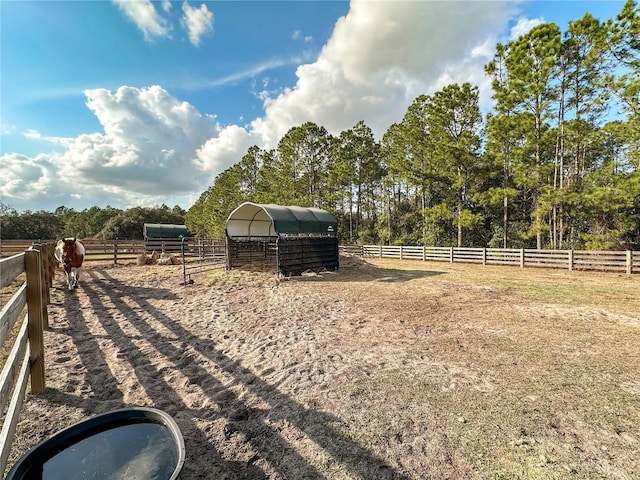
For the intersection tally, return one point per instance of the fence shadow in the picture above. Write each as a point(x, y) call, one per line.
point(354, 269)
point(100, 391)
point(129, 320)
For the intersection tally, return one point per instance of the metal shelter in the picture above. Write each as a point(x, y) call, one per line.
point(291, 238)
point(164, 230)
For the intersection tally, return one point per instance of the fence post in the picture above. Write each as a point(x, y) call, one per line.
point(450, 254)
point(484, 256)
point(522, 258)
point(629, 261)
point(115, 251)
point(44, 289)
point(46, 256)
point(229, 253)
point(400, 252)
point(424, 253)
point(51, 266)
point(380, 251)
point(571, 260)
point(32, 261)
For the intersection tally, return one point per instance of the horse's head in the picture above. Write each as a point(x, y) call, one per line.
point(68, 250)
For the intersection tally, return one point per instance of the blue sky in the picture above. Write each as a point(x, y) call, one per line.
point(142, 103)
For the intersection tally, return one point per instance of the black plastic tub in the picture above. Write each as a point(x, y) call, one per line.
point(133, 443)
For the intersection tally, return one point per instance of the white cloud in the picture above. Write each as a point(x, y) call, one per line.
point(7, 129)
point(523, 26)
point(32, 134)
point(197, 21)
point(145, 16)
point(226, 149)
point(380, 57)
point(297, 35)
point(24, 177)
point(233, 78)
point(148, 154)
point(35, 135)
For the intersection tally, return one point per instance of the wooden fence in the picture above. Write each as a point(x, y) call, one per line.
point(611, 261)
point(30, 273)
point(115, 251)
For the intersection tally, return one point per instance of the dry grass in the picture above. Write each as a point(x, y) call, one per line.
point(385, 369)
point(535, 372)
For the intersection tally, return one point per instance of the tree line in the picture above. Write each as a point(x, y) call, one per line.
point(554, 165)
point(100, 223)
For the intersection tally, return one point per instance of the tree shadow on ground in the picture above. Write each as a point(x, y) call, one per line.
point(362, 271)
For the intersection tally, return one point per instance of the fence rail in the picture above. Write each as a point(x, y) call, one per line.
point(33, 269)
point(627, 261)
point(116, 251)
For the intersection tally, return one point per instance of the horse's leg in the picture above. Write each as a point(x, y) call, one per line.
point(77, 277)
point(69, 281)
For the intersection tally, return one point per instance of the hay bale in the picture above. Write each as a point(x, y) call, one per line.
point(153, 259)
point(168, 259)
point(142, 259)
point(164, 261)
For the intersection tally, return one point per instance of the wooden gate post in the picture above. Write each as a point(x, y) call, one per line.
point(33, 268)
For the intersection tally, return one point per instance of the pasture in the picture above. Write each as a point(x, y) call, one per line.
point(386, 369)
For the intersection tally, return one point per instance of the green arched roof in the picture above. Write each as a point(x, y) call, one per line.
point(270, 220)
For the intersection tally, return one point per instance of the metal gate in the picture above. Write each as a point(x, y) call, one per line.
point(201, 255)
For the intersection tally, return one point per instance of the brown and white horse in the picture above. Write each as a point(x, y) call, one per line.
point(70, 253)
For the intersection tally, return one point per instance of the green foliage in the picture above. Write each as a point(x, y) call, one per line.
point(207, 217)
point(29, 225)
point(130, 224)
point(88, 223)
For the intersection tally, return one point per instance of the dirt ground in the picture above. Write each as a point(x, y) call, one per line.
point(376, 371)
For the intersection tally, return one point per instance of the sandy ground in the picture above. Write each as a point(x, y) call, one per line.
point(305, 378)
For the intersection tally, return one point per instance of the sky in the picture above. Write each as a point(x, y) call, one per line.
point(138, 103)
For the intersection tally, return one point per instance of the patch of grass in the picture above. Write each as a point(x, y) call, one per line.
point(616, 292)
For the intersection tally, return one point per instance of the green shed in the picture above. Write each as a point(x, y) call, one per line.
point(153, 231)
